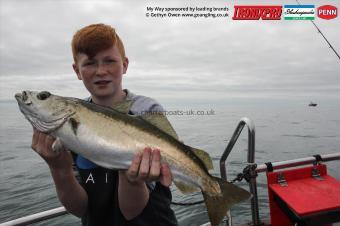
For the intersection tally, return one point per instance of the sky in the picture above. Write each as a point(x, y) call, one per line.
point(189, 60)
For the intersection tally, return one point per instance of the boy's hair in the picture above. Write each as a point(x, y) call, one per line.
point(95, 38)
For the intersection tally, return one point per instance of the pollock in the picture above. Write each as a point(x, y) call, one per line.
point(110, 137)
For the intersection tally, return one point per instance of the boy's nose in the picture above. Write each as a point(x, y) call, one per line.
point(101, 70)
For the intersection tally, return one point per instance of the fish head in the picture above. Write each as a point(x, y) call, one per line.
point(45, 111)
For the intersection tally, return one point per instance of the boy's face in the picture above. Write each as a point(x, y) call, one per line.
point(102, 74)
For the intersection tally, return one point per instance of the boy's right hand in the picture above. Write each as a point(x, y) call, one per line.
point(42, 144)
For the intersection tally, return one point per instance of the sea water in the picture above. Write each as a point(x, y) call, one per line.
point(283, 132)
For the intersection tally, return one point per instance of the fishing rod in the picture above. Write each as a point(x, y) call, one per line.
point(324, 37)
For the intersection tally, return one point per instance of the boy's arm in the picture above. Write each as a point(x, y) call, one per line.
point(70, 193)
point(133, 194)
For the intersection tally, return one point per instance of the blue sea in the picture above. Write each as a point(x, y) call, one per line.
point(283, 132)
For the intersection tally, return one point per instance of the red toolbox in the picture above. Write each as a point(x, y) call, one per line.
point(303, 196)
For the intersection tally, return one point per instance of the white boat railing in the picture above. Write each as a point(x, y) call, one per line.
point(37, 217)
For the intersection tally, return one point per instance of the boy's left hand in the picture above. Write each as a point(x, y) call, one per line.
point(147, 167)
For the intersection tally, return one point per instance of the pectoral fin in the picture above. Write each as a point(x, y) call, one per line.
point(57, 146)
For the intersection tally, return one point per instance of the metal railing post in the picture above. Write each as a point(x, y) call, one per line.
point(250, 159)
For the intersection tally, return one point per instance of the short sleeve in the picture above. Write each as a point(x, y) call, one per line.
point(143, 105)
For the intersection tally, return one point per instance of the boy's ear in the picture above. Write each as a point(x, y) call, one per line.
point(76, 70)
point(125, 65)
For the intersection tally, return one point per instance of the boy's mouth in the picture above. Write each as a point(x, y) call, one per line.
point(102, 82)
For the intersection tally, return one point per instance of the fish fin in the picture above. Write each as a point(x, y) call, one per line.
point(185, 188)
point(74, 125)
point(205, 157)
point(57, 146)
point(123, 106)
point(159, 120)
point(218, 205)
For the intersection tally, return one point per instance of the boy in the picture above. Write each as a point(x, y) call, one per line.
point(137, 196)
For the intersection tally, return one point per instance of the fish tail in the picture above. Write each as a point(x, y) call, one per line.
point(218, 204)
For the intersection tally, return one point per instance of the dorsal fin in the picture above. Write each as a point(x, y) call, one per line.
point(159, 120)
point(204, 156)
point(123, 106)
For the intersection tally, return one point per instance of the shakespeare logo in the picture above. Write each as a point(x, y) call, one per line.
point(299, 12)
point(327, 12)
point(257, 12)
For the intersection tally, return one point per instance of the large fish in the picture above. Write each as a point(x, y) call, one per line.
point(110, 138)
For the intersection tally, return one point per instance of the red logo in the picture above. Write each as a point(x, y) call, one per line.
point(257, 12)
point(327, 12)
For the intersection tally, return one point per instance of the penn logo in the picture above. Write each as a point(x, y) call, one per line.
point(257, 12)
point(327, 12)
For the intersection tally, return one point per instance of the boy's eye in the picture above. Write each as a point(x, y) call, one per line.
point(88, 63)
point(110, 61)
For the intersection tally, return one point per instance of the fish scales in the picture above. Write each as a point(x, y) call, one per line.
point(147, 128)
point(137, 138)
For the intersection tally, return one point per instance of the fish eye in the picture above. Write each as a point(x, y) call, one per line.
point(43, 95)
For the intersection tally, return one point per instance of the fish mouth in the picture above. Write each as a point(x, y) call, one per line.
point(25, 101)
point(18, 96)
point(22, 98)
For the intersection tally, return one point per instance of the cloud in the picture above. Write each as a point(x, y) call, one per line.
point(205, 58)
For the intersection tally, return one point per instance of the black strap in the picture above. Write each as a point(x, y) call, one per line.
point(269, 167)
point(318, 158)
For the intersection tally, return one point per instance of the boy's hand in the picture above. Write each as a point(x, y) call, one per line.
point(42, 144)
point(147, 167)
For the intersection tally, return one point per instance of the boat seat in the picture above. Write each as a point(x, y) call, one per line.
point(305, 196)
